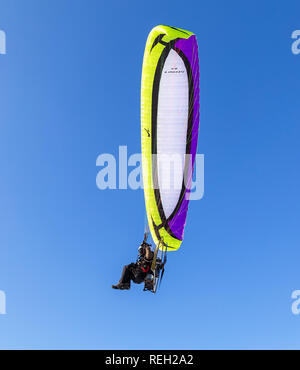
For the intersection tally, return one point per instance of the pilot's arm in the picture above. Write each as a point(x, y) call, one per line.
point(149, 253)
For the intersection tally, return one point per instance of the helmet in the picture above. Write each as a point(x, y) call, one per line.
point(141, 249)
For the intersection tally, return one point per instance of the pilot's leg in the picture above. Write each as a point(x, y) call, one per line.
point(126, 277)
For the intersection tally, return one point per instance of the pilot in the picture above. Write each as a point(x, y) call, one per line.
point(137, 271)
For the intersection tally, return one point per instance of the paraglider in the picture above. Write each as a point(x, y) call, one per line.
point(138, 271)
point(169, 135)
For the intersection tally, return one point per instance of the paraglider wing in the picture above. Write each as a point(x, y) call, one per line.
point(169, 130)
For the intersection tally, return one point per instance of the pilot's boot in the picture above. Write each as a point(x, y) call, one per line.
point(121, 286)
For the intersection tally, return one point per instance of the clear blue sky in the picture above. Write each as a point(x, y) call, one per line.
point(69, 91)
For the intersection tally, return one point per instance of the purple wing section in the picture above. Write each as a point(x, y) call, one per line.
point(189, 48)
